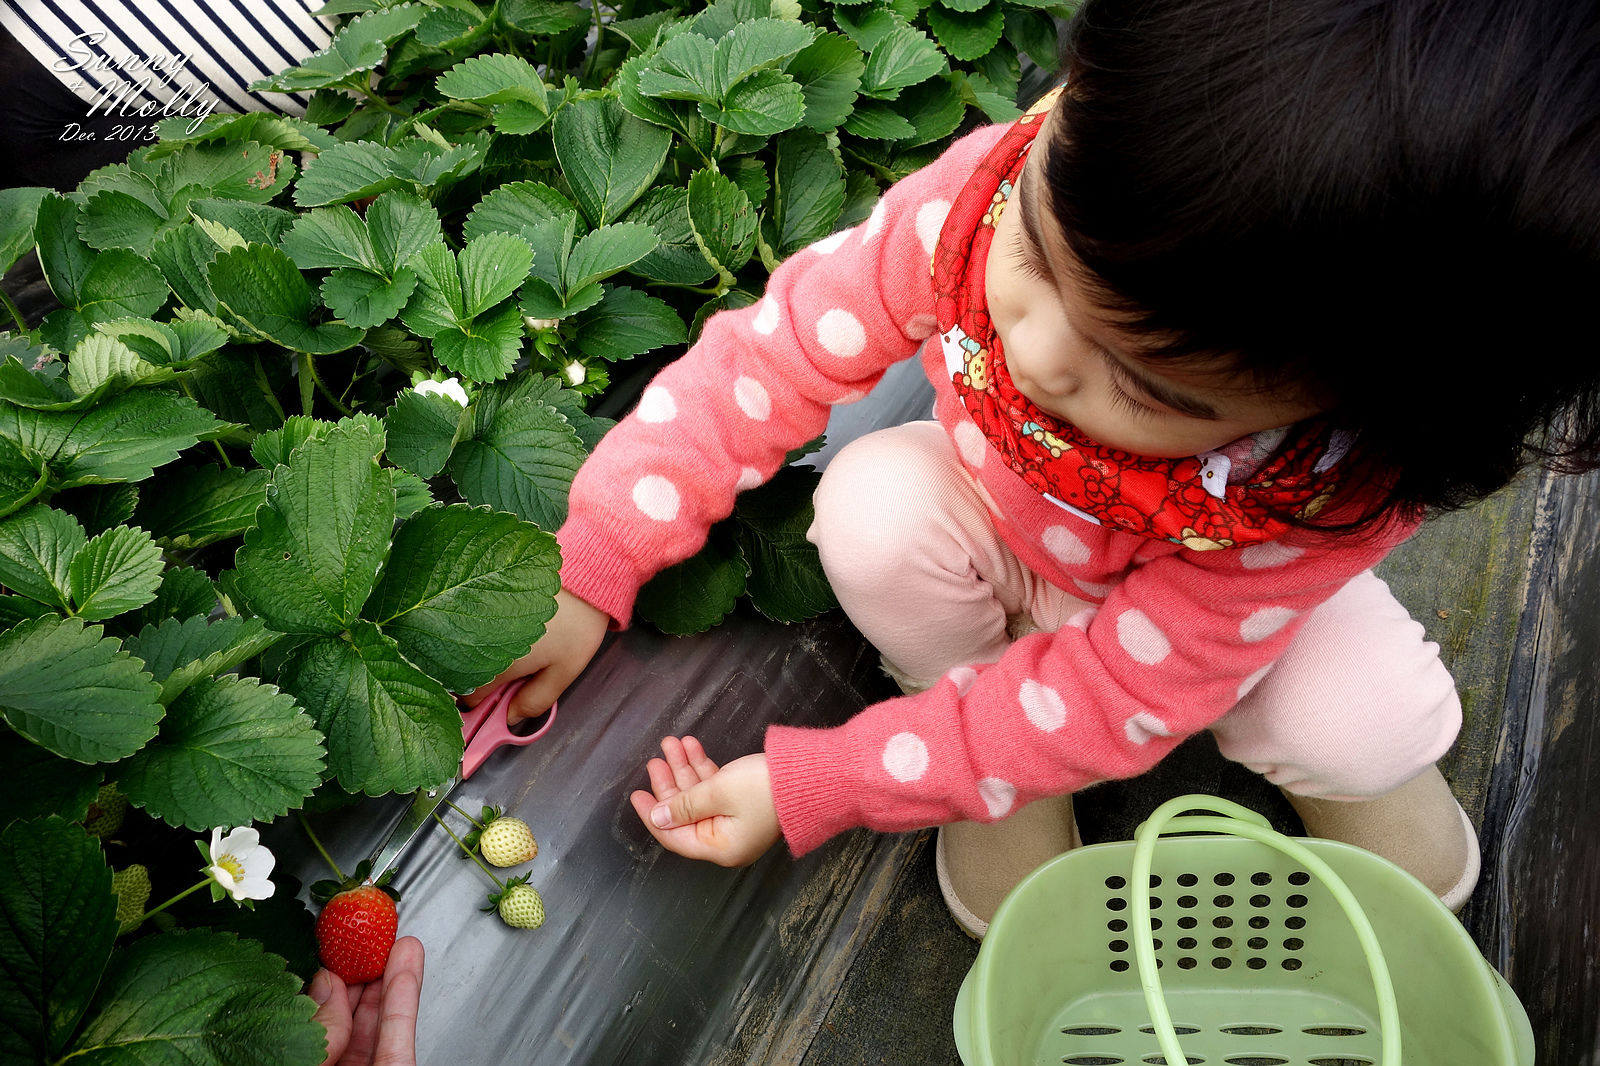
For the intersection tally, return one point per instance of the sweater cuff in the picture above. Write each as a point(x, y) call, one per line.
point(594, 571)
point(815, 788)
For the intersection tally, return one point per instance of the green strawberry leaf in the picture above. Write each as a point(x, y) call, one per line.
point(205, 505)
point(256, 223)
point(22, 476)
point(262, 294)
point(609, 157)
point(274, 447)
point(388, 726)
point(350, 170)
point(877, 120)
point(485, 348)
point(765, 103)
point(685, 68)
point(676, 259)
point(421, 430)
point(183, 256)
point(626, 323)
point(40, 783)
point(903, 56)
point(787, 583)
point(179, 652)
point(467, 590)
point(104, 362)
point(330, 237)
point(532, 388)
point(112, 218)
point(497, 78)
point(491, 267)
point(696, 594)
point(606, 250)
point(123, 438)
point(411, 494)
point(401, 224)
point(183, 593)
point(724, 222)
point(75, 692)
point(757, 45)
point(19, 207)
point(361, 45)
point(36, 550)
point(58, 921)
point(968, 33)
point(114, 572)
point(101, 507)
point(517, 206)
point(435, 303)
point(829, 73)
point(165, 343)
point(322, 534)
point(197, 996)
point(518, 457)
point(231, 751)
point(14, 609)
point(808, 192)
point(364, 299)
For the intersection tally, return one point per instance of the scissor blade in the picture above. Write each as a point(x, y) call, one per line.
point(412, 824)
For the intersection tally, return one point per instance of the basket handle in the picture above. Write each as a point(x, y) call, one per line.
point(1242, 822)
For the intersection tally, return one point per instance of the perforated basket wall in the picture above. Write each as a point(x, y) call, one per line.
point(1259, 965)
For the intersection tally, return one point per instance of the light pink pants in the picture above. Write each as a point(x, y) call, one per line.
point(1358, 705)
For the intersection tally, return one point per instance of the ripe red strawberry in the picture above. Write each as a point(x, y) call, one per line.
point(355, 931)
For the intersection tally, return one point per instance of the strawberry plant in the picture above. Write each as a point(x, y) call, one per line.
point(279, 470)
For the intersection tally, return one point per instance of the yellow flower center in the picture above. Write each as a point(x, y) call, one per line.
point(234, 867)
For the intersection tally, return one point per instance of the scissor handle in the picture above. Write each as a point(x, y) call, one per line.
point(484, 727)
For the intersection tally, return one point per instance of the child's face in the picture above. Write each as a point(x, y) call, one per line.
point(1065, 356)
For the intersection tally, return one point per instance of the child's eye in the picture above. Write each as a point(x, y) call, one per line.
point(1026, 262)
point(1120, 397)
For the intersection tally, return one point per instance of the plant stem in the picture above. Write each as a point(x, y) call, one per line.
point(337, 402)
point(320, 849)
point(501, 885)
point(464, 814)
point(308, 383)
point(186, 892)
point(16, 315)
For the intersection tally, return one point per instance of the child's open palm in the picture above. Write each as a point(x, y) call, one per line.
point(723, 815)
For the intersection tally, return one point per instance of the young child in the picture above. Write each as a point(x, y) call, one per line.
point(1212, 328)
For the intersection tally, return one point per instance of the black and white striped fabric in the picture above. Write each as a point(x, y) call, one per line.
point(184, 54)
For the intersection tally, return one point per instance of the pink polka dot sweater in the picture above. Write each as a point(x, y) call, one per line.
point(1175, 636)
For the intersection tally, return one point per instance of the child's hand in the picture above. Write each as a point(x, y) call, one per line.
point(724, 816)
point(570, 640)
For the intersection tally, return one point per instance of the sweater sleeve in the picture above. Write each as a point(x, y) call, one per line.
point(759, 382)
point(1172, 649)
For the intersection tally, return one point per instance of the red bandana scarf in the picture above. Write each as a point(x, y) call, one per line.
point(1187, 500)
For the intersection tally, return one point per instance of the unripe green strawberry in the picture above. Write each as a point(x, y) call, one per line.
point(132, 886)
point(355, 931)
point(106, 812)
point(521, 906)
point(507, 842)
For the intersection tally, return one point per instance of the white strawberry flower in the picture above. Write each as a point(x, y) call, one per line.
point(240, 864)
point(575, 372)
point(448, 387)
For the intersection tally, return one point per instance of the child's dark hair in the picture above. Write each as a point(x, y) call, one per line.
point(1394, 204)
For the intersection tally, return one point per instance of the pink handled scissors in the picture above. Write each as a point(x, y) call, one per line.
point(484, 727)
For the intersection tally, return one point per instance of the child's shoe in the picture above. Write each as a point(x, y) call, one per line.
point(1419, 827)
point(979, 863)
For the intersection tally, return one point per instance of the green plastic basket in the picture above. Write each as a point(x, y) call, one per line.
point(1241, 947)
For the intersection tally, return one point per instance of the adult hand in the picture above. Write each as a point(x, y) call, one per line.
point(570, 640)
point(726, 816)
point(373, 1024)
